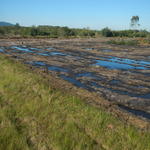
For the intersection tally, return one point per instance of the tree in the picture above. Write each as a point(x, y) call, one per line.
point(135, 21)
point(34, 31)
point(2, 31)
point(107, 32)
point(17, 25)
point(66, 32)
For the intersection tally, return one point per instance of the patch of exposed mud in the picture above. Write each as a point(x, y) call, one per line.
point(120, 76)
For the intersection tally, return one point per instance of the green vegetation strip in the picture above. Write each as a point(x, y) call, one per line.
point(35, 116)
point(65, 32)
point(124, 42)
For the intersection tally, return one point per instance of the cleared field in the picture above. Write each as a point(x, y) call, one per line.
point(118, 73)
point(33, 115)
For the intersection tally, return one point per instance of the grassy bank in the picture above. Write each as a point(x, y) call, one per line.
point(35, 116)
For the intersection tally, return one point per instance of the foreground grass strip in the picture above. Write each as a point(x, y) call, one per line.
point(34, 116)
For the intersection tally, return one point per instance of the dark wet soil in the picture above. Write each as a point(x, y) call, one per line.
point(119, 74)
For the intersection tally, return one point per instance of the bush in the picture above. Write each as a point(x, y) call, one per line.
point(107, 32)
point(124, 42)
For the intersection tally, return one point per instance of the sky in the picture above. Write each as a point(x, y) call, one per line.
point(95, 14)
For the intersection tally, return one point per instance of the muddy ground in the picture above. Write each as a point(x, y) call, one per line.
point(119, 74)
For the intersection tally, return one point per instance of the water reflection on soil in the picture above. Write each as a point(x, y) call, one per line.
point(57, 53)
point(52, 54)
point(1, 50)
point(129, 61)
point(21, 49)
point(38, 51)
point(49, 67)
point(35, 49)
point(85, 74)
point(38, 63)
point(122, 63)
point(136, 112)
point(115, 65)
point(57, 69)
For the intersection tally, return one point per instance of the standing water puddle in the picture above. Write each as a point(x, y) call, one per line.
point(122, 64)
point(38, 63)
point(57, 53)
point(22, 49)
point(35, 49)
point(49, 67)
point(1, 51)
point(129, 61)
point(57, 69)
point(52, 54)
point(43, 54)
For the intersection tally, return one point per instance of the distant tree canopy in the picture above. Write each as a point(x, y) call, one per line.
point(107, 32)
point(65, 32)
point(135, 21)
point(46, 31)
point(17, 25)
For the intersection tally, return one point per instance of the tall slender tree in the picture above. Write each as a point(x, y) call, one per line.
point(135, 22)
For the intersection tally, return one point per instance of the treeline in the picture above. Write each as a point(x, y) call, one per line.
point(46, 31)
point(124, 33)
point(58, 32)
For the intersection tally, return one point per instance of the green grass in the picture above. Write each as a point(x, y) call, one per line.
point(35, 116)
point(124, 42)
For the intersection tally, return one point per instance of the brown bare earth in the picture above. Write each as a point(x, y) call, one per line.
point(116, 78)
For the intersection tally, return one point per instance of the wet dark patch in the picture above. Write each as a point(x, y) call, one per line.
point(52, 54)
point(24, 49)
point(122, 64)
point(146, 96)
point(129, 61)
point(136, 112)
point(57, 69)
point(131, 94)
point(49, 67)
point(120, 92)
point(84, 74)
point(107, 50)
point(73, 81)
point(1, 51)
point(114, 82)
point(42, 54)
point(38, 63)
point(57, 53)
point(115, 65)
point(88, 49)
point(50, 48)
point(35, 49)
